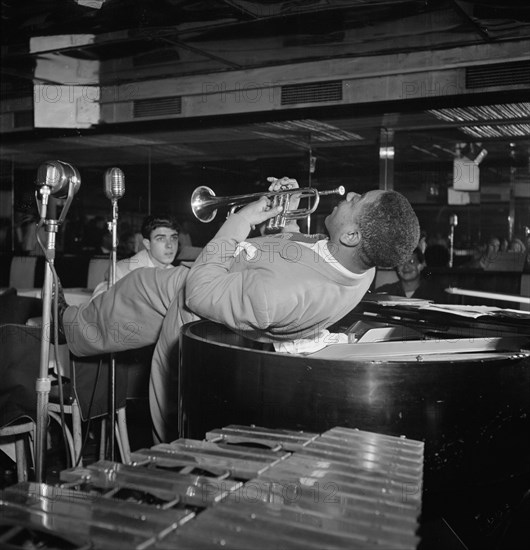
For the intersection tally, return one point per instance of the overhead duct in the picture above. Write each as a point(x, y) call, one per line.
point(348, 81)
point(498, 74)
point(314, 92)
point(362, 80)
point(162, 106)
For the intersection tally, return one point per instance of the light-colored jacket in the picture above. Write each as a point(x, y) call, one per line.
point(272, 288)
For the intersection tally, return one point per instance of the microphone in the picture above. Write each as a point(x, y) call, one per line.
point(56, 176)
point(114, 184)
point(114, 190)
point(453, 220)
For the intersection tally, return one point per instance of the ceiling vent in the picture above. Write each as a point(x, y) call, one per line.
point(163, 106)
point(498, 74)
point(318, 92)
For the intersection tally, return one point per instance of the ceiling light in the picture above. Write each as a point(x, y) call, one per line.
point(95, 4)
point(386, 152)
point(508, 113)
point(319, 131)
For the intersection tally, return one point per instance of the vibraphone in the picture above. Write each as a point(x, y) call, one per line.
point(242, 487)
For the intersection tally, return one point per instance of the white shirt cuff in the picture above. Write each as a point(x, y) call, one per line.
point(311, 345)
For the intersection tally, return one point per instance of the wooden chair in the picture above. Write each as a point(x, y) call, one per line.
point(20, 432)
point(19, 369)
point(85, 398)
point(74, 436)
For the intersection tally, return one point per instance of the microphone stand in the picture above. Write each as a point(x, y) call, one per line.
point(113, 228)
point(453, 222)
point(43, 383)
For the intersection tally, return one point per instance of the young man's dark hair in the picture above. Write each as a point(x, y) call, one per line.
point(153, 222)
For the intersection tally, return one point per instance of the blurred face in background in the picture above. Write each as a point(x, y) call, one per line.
point(129, 245)
point(411, 269)
point(494, 246)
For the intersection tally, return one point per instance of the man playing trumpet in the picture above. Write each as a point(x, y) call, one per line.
point(276, 288)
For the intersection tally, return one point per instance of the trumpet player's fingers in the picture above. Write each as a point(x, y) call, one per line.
point(280, 184)
point(259, 211)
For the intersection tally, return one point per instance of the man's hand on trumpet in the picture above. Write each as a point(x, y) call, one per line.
point(284, 184)
point(259, 211)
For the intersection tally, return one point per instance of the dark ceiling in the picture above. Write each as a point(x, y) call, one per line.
point(185, 38)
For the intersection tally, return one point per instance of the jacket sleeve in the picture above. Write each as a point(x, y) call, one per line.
point(236, 299)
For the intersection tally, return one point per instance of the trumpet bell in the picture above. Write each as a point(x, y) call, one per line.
point(201, 204)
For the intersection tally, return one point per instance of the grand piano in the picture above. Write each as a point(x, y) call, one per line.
point(455, 377)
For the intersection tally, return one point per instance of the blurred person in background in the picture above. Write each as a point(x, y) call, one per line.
point(412, 284)
point(126, 245)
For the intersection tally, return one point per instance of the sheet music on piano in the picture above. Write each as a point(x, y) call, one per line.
point(383, 317)
point(471, 311)
point(477, 311)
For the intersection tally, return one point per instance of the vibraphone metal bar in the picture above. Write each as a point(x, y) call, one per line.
point(342, 489)
point(238, 462)
point(170, 487)
point(80, 519)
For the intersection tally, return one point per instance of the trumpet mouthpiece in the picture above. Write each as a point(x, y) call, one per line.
point(338, 191)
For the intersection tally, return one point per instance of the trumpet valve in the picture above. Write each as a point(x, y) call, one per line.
point(278, 222)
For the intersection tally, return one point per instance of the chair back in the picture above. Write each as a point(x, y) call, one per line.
point(90, 384)
point(97, 268)
point(16, 309)
point(22, 272)
point(19, 370)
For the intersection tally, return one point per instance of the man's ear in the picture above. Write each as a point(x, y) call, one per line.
point(351, 238)
point(421, 267)
point(147, 243)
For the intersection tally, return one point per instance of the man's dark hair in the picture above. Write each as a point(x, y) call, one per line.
point(153, 222)
point(390, 231)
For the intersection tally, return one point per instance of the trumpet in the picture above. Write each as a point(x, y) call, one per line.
point(204, 203)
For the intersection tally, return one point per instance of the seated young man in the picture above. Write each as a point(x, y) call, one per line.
point(275, 288)
point(160, 239)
